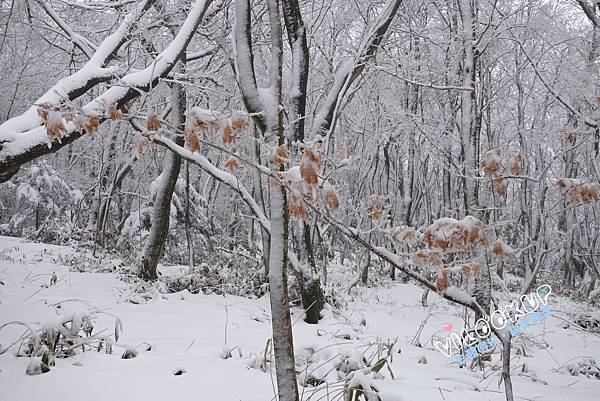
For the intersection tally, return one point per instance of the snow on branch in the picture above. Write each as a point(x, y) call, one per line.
point(16, 149)
point(131, 84)
point(572, 109)
point(233, 183)
point(222, 176)
point(244, 61)
point(452, 294)
point(75, 85)
point(82, 43)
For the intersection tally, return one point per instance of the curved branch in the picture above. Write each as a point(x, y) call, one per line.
point(82, 43)
point(244, 63)
point(348, 73)
point(296, 33)
point(16, 150)
point(75, 85)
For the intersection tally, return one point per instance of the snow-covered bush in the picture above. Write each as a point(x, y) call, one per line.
point(353, 367)
point(589, 321)
point(583, 366)
point(40, 203)
point(236, 272)
point(84, 261)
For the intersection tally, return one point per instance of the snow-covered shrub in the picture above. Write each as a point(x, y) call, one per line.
point(236, 273)
point(84, 261)
point(353, 366)
point(40, 203)
point(589, 320)
point(584, 366)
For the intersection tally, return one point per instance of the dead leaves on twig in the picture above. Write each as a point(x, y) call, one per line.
point(282, 155)
point(578, 191)
point(208, 122)
point(311, 163)
point(113, 112)
point(143, 145)
point(152, 122)
point(497, 164)
point(377, 210)
point(57, 118)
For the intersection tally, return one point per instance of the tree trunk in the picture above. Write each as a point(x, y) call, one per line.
point(155, 244)
point(468, 139)
point(280, 311)
point(188, 234)
point(506, 368)
point(310, 287)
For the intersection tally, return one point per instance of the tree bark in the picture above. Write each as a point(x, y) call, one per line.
point(155, 243)
point(283, 342)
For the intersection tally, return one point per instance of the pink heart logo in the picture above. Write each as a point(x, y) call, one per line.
point(448, 327)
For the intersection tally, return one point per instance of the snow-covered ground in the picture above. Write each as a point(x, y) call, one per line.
point(191, 332)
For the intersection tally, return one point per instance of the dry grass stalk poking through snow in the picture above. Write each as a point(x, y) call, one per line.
point(68, 335)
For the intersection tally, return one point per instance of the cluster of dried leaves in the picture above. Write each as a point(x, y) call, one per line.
point(153, 124)
point(448, 235)
point(471, 269)
point(422, 257)
point(441, 281)
point(324, 194)
point(296, 206)
point(578, 191)
point(207, 122)
point(282, 155)
point(312, 162)
point(234, 164)
point(468, 269)
point(400, 236)
point(377, 209)
point(304, 182)
point(56, 119)
point(455, 235)
point(500, 248)
point(497, 164)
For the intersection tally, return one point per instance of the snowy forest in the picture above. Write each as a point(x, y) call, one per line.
point(299, 200)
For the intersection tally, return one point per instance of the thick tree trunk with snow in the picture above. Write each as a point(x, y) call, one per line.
point(281, 321)
point(270, 122)
point(508, 390)
point(283, 343)
point(280, 311)
point(155, 243)
point(470, 139)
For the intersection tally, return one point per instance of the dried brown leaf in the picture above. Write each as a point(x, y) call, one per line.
point(143, 145)
point(113, 112)
point(152, 122)
point(191, 139)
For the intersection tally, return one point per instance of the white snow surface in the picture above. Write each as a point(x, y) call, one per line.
point(188, 332)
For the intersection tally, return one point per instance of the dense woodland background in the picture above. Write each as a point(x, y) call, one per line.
point(449, 143)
